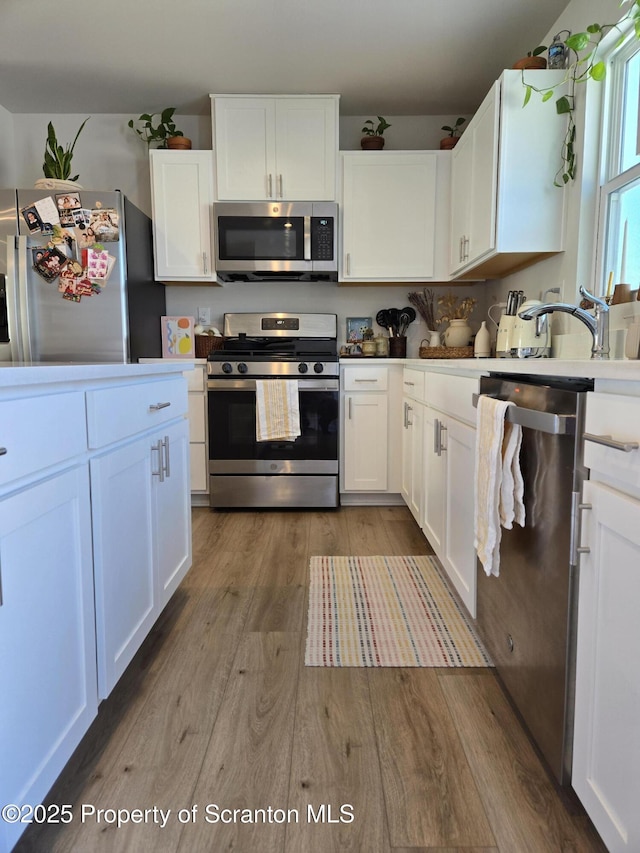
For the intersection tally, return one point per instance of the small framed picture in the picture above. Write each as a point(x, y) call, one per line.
point(178, 340)
point(356, 327)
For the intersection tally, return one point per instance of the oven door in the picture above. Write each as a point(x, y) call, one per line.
point(233, 448)
point(263, 237)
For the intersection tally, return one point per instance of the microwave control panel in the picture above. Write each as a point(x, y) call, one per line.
point(322, 230)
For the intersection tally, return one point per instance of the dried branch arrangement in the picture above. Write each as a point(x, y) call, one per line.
point(423, 303)
point(452, 308)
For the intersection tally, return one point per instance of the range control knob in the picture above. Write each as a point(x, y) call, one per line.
point(302, 367)
point(226, 367)
point(318, 367)
point(242, 367)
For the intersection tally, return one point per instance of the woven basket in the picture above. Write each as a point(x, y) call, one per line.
point(206, 343)
point(445, 352)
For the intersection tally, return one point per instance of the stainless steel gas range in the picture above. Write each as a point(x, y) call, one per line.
point(246, 472)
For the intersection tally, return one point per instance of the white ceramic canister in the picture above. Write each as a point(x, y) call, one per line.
point(457, 334)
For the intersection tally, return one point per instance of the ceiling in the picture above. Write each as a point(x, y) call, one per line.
point(389, 57)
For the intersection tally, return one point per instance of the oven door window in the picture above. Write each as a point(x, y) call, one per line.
point(261, 238)
point(232, 427)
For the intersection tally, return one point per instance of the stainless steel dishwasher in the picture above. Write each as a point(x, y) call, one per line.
point(527, 615)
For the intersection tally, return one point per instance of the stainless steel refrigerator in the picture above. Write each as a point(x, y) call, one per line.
point(44, 319)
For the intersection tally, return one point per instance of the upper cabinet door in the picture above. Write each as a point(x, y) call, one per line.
point(275, 148)
point(306, 149)
point(244, 148)
point(484, 176)
point(395, 216)
point(182, 194)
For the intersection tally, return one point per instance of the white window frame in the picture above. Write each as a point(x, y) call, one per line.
point(611, 178)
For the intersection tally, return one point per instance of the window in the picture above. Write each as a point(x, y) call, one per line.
point(619, 232)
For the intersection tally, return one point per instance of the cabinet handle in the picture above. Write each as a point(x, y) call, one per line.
point(442, 429)
point(608, 441)
point(205, 266)
point(270, 186)
point(3, 451)
point(406, 416)
point(409, 383)
point(160, 472)
point(348, 263)
point(460, 249)
point(436, 436)
point(155, 406)
point(167, 467)
point(280, 185)
point(466, 249)
point(365, 380)
point(350, 401)
point(1, 598)
point(584, 549)
point(409, 409)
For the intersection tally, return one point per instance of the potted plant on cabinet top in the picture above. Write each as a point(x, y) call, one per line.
point(165, 133)
point(533, 59)
point(57, 163)
point(373, 138)
point(454, 132)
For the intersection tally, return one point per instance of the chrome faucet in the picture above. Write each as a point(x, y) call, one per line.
point(598, 323)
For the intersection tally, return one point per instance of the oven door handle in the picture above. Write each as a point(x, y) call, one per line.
point(250, 384)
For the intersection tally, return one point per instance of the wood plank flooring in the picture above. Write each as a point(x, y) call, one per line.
point(218, 709)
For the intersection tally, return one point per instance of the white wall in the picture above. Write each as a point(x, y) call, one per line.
point(107, 156)
point(7, 149)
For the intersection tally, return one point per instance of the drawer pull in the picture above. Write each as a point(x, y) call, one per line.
point(584, 549)
point(409, 383)
point(365, 380)
point(155, 406)
point(3, 451)
point(609, 441)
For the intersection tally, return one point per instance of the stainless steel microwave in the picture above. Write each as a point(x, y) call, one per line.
point(276, 241)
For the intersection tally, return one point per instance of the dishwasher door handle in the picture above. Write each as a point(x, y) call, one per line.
point(548, 422)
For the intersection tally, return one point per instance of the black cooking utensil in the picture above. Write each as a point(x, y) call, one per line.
point(394, 320)
point(382, 318)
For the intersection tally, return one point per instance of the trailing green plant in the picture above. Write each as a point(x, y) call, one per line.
point(537, 50)
point(164, 128)
point(370, 129)
point(587, 65)
point(57, 160)
point(455, 130)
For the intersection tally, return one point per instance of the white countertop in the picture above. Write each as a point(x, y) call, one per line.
point(618, 369)
point(20, 374)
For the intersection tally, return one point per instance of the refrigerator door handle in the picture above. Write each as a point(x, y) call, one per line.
point(18, 299)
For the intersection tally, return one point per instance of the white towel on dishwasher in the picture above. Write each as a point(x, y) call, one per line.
point(277, 410)
point(499, 487)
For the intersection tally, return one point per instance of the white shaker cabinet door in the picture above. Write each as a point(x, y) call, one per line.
point(245, 148)
point(606, 754)
point(365, 442)
point(306, 149)
point(182, 194)
point(47, 636)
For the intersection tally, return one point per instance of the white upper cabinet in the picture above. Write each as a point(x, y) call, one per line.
point(182, 195)
point(269, 148)
point(506, 212)
point(395, 215)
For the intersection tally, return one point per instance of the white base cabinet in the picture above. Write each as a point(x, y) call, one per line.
point(370, 450)
point(606, 748)
point(47, 636)
point(181, 196)
point(394, 216)
point(141, 517)
point(412, 486)
point(606, 764)
point(273, 148)
point(449, 460)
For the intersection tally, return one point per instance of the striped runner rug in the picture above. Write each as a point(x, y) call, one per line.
point(386, 611)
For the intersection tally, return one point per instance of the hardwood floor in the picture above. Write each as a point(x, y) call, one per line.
point(218, 709)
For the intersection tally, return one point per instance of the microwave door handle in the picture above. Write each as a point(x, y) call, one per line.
point(307, 238)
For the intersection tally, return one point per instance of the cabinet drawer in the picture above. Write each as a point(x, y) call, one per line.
point(366, 378)
point(413, 383)
point(452, 394)
point(124, 410)
point(618, 417)
point(39, 432)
